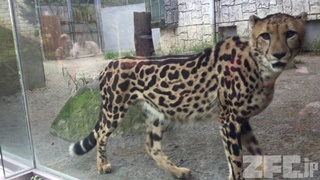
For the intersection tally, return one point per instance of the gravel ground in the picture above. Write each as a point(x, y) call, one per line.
point(289, 126)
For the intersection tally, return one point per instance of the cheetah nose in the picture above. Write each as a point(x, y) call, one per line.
point(279, 55)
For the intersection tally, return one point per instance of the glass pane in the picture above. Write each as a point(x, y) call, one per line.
point(80, 38)
point(14, 136)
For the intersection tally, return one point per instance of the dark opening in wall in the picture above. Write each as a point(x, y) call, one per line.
point(226, 31)
point(312, 37)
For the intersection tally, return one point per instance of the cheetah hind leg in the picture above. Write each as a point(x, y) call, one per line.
point(109, 121)
point(153, 146)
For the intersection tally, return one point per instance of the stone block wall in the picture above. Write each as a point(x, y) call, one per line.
point(25, 28)
point(29, 42)
point(237, 12)
point(194, 27)
point(5, 15)
point(195, 23)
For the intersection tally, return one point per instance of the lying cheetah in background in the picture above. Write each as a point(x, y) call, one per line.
point(234, 80)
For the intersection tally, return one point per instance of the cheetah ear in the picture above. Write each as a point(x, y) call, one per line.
point(253, 20)
point(302, 16)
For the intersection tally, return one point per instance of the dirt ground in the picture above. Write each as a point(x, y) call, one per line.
point(289, 126)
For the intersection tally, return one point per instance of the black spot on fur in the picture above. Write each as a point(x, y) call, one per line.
point(164, 84)
point(141, 74)
point(141, 83)
point(118, 99)
point(151, 95)
point(124, 86)
point(219, 68)
point(149, 70)
point(115, 64)
point(156, 123)
point(246, 64)
point(232, 131)
point(177, 87)
point(152, 81)
point(163, 72)
point(116, 116)
point(161, 102)
point(126, 98)
point(235, 38)
point(245, 113)
point(156, 137)
point(185, 74)
point(177, 103)
point(191, 64)
point(108, 123)
point(239, 104)
point(227, 71)
point(235, 149)
point(124, 75)
point(225, 57)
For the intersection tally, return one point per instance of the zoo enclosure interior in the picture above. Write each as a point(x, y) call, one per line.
point(38, 88)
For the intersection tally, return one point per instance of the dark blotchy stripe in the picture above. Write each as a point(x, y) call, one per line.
point(177, 87)
point(124, 86)
point(175, 104)
point(115, 82)
point(127, 65)
point(163, 72)
point(191, 56)
point(152, 81)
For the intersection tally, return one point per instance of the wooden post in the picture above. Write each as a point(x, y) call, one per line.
point(143, 34)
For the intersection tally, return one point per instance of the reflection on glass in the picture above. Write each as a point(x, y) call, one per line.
point(15, 134)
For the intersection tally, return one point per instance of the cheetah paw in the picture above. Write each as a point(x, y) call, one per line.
point(104, 168)
point(183, 173)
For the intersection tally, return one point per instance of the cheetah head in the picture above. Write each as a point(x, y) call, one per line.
point(277, 38)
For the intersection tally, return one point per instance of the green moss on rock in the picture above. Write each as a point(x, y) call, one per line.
point(80, 113)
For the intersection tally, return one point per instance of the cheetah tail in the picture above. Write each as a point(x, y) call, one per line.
point(83, 146)
point(88, 143)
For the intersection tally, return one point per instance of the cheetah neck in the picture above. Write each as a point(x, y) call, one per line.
point(268, 74)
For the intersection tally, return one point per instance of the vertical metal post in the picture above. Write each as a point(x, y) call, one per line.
point(21, 76)
point(97, 4)
point(71, 21)
point(213, 19)
point(38, 14)
point(2, 163)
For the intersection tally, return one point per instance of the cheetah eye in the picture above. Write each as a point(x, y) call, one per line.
point(265, 36)
point(290, 34)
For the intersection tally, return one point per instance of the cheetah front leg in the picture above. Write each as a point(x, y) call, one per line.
point(249, 140)
point(153, 147)
point(231, 134)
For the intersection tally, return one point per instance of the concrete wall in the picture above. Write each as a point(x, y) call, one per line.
point(196, 19)
point(118, 28)
point(31, 58)
point(237, 12)
point(26, 29)
point(5, 15)
point(194, 26)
